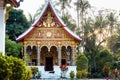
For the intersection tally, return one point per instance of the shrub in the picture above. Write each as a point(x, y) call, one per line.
point(5, 68)
point(84, 73)
point(12, 68)
point(78, 74)
point(72, 74)
point(34, 69)
point(81, 62)
point(28, 73)
point(35, 73)
point(104, 60)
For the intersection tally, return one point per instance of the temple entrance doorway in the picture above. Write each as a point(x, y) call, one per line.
point(34, 62)
point(63, 61)
point(49, 64)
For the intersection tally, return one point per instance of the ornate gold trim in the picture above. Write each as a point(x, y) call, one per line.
point(7, 11)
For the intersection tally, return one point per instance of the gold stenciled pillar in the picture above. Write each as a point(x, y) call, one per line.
point(38, 53)
point(59, 53)
point(73, 53)
point(25, 47)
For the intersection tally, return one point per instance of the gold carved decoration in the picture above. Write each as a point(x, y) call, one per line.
point(9, 9)
point(49, 20)
point(25, 43)
point(48, 34)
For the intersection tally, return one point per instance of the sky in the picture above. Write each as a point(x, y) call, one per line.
point(30, 6)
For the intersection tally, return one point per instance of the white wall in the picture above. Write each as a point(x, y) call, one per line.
point(2, 30)
point(57, 74)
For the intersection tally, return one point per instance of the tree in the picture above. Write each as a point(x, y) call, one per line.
point(96, 37)
point(16, 24)
point(64, 4)
point(81, 7)
point(103, 58)
point(12, 48)
point(70, 23)
point(31, 18)
point(113, 43)
point(34, 17)
point(82, 62)
point(112, 20)
point(100, 25)
point(82, 65)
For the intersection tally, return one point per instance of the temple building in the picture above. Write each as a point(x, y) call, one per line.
point(49, 42)
point(3, 17)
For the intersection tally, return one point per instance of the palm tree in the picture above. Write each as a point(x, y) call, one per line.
point(70, 23)
point(31, 18)
point(84, 5)
point(34, 17)
point(81, 7)
point(77, 9)
point(112, 20)
point(64, 4)
point(100, 25)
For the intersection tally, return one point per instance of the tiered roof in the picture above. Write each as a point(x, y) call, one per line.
point(63, 25)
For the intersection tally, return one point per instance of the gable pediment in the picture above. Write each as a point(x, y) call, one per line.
point(48, 20)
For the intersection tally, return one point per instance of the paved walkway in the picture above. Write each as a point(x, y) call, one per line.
point(66, 79)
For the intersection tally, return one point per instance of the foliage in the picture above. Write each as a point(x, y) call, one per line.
point(103, 58)
point(82, 74)
point(82, 66)
point(34, 69)
point(113, 43)
point(97, 35)
point(11, 47)
point(72, 74)
point(78, 74)
point(81, 8)
point(28, 73)
point(70, 23)
point(35, 73)
point(27, 58)
point(16, 24)
point(106, 70)
point(12, 68)
point(115, 65)
point(64, 4)
point(82, 62)
point(114, 73)
point(118, 55)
